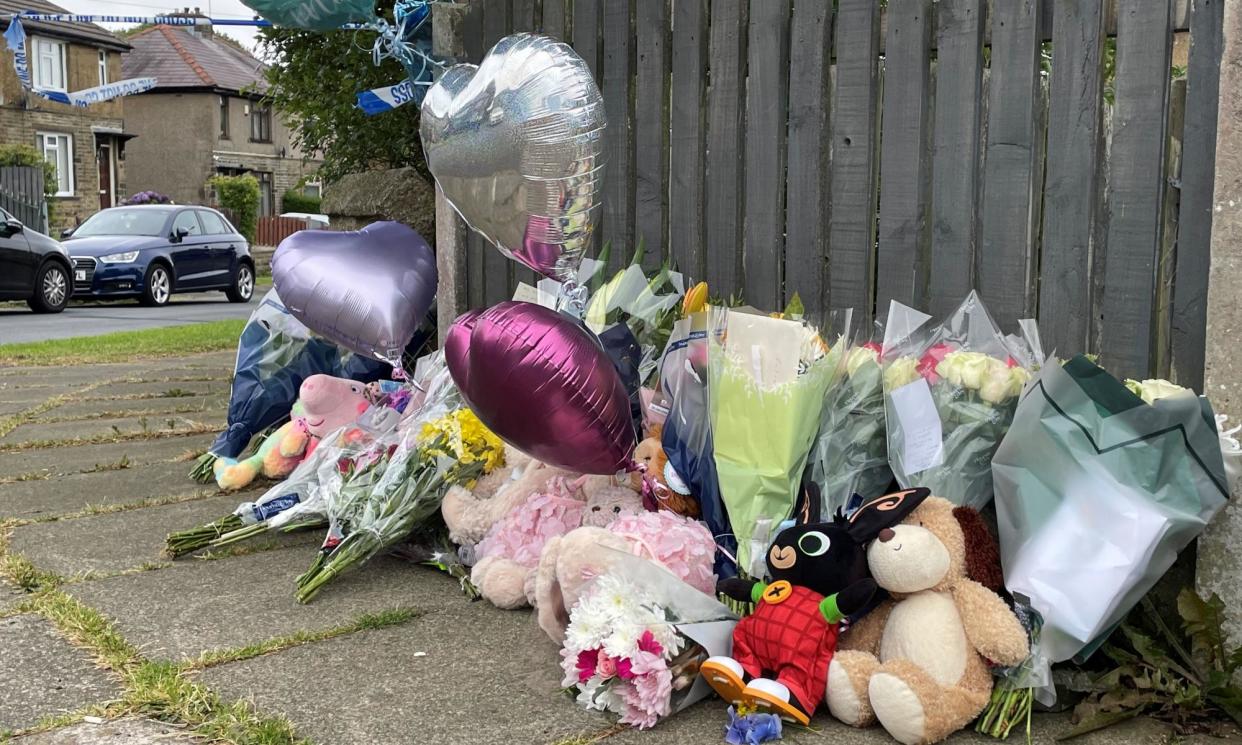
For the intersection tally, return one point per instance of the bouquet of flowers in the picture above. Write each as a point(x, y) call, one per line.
point(950, 394)
point(636, 639)
point(850, 455)
point(768, 378)
point(454, 448)
point(297, 503)
point(1099, 485)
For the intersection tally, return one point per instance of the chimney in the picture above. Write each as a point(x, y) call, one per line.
point(202, 24)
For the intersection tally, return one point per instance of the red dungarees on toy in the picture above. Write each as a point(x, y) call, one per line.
point(788, 636)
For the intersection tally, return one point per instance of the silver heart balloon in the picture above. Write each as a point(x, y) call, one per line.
point(517, 146)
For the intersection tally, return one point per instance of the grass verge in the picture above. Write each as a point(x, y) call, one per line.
point(126, 346)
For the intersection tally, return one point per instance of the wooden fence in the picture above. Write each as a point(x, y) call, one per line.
point(272, 230)
point(1045, 152)
point(21, 194)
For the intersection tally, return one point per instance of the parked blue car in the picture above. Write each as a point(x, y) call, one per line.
point(152, 251)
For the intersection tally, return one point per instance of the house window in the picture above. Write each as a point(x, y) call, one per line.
point(103, 67)
point(261, 123)
point(224, 117)
point(266, 203)
point(57, 149)
point(49, 64)
point(313, 189)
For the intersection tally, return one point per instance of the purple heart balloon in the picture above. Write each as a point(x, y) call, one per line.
point(544, 385)
point(367, 290)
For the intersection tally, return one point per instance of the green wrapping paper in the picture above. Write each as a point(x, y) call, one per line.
point(762, 432)
point(1096, 493)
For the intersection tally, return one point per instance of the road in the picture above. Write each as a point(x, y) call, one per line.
point(92, 318)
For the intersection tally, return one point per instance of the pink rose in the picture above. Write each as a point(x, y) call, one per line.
point(606, 667)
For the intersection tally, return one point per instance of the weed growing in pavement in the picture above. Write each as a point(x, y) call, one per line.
point(119, 465)
point(176, 393)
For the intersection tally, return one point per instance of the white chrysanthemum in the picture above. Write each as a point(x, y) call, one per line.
point(596, 694)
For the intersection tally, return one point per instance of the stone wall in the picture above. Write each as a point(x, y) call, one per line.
point(22, 116)
point(400, 194)
point(1220, 561)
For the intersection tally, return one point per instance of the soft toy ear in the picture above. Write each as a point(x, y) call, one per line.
point(884, 512)
point(982, 552)
point(656, 431)
point(807, 508)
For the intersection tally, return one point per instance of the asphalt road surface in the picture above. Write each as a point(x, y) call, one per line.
point(92, 318)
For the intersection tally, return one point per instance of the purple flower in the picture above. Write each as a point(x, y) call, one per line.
point(752, 729)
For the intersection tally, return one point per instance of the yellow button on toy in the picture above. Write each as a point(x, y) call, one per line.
point(777, 592)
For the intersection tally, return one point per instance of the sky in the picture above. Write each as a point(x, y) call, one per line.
point(214, 8)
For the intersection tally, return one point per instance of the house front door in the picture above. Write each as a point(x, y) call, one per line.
point(106, 187)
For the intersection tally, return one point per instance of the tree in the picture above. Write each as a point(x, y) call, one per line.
point(314, 81)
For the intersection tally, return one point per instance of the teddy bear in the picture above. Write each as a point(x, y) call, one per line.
point(470, 512)
point(509, 554)
point(918, 663)
point(818, 572)
point(568, 563)
point(660, 484)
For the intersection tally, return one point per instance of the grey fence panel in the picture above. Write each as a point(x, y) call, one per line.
point(748, 145)
point(1136, 188)
point(955, 152)
point(615, 81)
point(1198, 176)
point(1073, 162)
point(687, 138)
point(1006, 244)
point(852, 174)
point(806, 201)
point(726, 145)
point(904, 158)
point(767, 99)
point(651, 130)
point(21, 194)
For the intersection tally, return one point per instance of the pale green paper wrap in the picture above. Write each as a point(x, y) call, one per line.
point(762, 438)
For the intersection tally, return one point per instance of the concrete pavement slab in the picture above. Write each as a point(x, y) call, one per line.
point(161, 389)
point(28, 398)
point(154, 425)
point(37, 431)
point(471, 674)
point(119, 732)
point(69, 375)
point(197, 606)
point(81, 458)
point(10, 597)
point(144, 406)
point(62, 495)
point(43, 674)
point(126, 540)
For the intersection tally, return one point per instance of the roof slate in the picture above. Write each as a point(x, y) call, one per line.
point(181, 58)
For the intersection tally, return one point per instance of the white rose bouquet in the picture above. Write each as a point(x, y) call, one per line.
point(950, 394)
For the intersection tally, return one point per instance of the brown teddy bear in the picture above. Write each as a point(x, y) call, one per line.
point(664, 488)
point(919, 662)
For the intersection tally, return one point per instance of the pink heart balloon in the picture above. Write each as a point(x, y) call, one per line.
point(544, 385)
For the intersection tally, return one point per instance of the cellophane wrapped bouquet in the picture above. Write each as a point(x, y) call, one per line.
point(768, 379)
point(298, 502)
point(850, 454)
point(445, 444)
point(1099, 485)
point(950, 393)
point(636, 639)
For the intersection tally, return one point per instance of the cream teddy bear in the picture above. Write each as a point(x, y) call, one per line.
point(470, 513)
point(919, 662)
point(509, 554)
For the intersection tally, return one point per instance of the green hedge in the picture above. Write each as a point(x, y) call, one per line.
point(240, 196)
point(295, 201)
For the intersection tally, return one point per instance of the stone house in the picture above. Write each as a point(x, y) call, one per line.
point(205, 117)
point(86, 144)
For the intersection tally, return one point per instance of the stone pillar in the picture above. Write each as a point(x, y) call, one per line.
point(1220, 549)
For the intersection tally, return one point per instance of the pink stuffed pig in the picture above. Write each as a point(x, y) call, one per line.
point(330, 403)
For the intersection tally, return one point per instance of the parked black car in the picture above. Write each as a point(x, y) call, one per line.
point(33, 267)
point(152, 251)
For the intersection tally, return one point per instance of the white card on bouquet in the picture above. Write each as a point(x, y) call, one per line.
point(922, 439)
